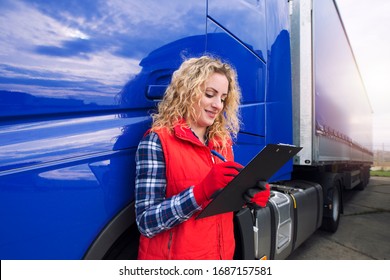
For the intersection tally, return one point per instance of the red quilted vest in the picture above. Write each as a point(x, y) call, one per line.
point(188, 161)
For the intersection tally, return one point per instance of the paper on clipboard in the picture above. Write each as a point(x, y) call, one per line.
point(267, 162)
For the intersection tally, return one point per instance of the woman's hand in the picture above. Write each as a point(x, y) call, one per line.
point(218, 177)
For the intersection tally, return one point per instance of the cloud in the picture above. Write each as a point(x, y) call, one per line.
point(78, 47)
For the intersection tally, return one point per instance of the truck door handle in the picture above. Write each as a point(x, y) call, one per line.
point(155, 92)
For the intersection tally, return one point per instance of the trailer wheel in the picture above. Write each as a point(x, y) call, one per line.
point(332, 223)
point(364, 178)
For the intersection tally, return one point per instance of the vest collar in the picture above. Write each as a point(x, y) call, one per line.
point(184, 132)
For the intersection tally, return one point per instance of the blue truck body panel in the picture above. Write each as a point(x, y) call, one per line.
point(73, 106)
point(77, 83)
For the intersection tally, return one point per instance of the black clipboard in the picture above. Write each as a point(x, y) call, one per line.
point(260, 168)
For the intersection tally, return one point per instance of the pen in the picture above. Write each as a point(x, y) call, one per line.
point(215, 153)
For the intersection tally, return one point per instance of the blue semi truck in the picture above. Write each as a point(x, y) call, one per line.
point(79, 79)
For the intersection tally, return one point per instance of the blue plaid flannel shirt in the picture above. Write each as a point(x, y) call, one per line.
point(154, 212)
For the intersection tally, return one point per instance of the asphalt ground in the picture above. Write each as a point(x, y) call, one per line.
point(364, 229)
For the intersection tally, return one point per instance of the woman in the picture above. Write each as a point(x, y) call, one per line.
point(177, 173)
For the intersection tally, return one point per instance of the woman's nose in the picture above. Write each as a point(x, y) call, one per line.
point(217, 104)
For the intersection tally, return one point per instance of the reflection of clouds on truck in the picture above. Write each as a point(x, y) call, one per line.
point(82, 50)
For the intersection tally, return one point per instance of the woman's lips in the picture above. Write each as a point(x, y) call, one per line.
point(211, 114)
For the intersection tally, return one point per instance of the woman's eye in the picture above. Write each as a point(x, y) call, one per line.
point(209, 95)
point(223, 100)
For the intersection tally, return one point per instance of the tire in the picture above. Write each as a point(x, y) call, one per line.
point(126, 247)
point(364, 178)
point(331, 223)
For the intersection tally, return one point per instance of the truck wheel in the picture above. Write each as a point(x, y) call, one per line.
point(126, 247)
point(332, 223)
point(364, 178)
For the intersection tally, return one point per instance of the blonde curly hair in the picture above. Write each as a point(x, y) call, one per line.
point(187, 88)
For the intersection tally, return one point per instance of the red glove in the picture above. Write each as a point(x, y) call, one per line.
point(218, 177)
point(261, 198)
point(258, 195)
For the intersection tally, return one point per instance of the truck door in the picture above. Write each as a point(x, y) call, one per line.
point(236, 31)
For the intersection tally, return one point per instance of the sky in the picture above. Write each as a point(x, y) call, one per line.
point(367, 26)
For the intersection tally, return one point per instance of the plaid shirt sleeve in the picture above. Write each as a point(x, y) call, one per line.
point(154, 212)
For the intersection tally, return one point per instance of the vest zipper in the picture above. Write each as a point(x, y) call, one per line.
point(219, 241)
point(169, 244)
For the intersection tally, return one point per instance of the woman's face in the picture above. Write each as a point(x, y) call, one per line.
point(211, 104)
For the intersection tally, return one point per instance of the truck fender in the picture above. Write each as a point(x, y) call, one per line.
point(119, 236)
